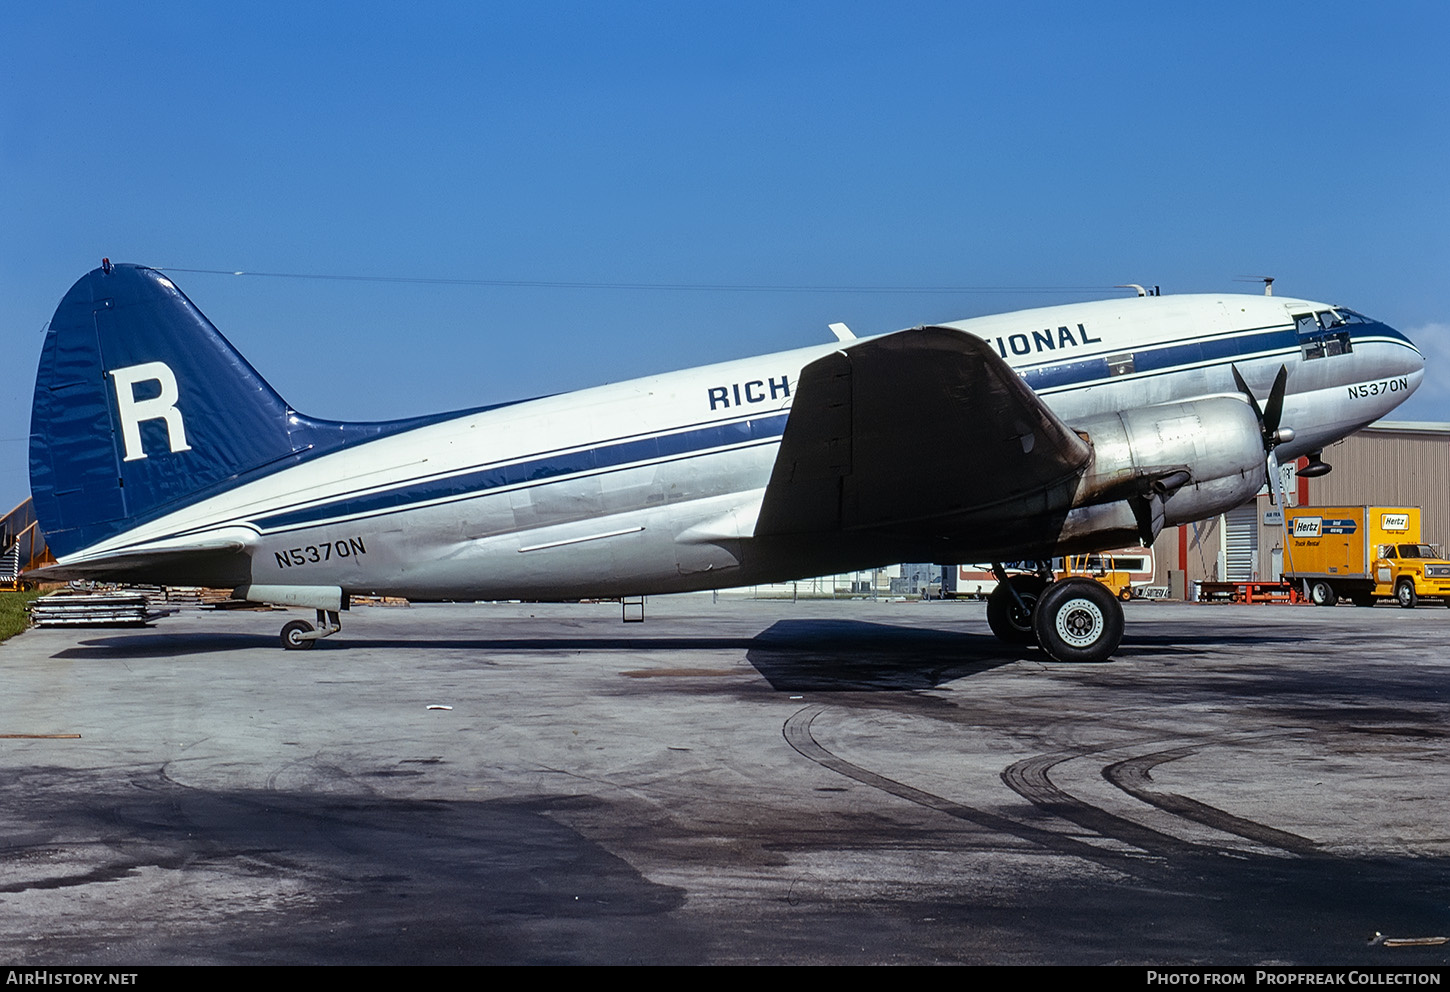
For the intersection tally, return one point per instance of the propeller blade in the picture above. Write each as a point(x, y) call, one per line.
point(1276, 480)
point(1274, 409)
point(1269, 415)
point(1244, 388)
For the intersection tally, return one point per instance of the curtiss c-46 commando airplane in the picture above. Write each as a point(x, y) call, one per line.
point(159, 455)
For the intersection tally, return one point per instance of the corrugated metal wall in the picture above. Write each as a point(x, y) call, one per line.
point(1241, 544)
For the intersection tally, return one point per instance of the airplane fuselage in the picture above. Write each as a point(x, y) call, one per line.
point(655, 485)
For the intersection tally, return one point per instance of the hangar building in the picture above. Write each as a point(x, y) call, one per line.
point(1390, 463)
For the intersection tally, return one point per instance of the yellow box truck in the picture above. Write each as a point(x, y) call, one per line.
point(1363, 554)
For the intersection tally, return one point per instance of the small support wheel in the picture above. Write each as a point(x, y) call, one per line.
point(1125, 593)
point(1008, 620)
point(1405, 594)
point(1323, 594)
point(292, 639)
point(1078, 620)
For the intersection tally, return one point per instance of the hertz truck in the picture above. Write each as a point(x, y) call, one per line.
point(1363, 553)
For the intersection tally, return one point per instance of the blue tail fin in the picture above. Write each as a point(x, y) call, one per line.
point(141, 406)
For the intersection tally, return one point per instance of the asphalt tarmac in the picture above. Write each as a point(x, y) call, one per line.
point(728, 782)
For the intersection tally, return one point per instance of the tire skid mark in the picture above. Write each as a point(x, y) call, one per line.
point(1132, 776)
point(1028, 778)
point(797, 732)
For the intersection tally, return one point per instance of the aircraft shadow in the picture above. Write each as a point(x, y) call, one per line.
point(795, 655)
point(180, 645)
point(792, 655)
point(857, 656)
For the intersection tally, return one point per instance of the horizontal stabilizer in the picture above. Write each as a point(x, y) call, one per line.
point(221, 564)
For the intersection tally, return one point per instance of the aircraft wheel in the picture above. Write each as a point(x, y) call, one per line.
point(290, 639)
point(1405, 594)
point(1323, 594)
point(1006, 618)
point(1078, 620)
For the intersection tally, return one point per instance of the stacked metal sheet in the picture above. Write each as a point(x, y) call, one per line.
point(101, 609)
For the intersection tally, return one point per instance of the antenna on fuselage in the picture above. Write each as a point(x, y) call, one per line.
point(1268, 282)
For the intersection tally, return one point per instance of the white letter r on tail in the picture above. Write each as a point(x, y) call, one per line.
point(162, 407)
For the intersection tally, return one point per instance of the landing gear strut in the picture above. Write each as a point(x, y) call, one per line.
point(1010, 606)
point(299, 635)
point(1073, 619)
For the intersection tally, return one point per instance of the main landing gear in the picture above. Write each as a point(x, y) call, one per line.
point(299, 635)
point(1072, 619)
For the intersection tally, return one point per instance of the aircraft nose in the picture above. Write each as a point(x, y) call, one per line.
point(1408, 361)
point(1413, 358)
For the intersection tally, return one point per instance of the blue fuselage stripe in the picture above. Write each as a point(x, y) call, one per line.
point(602, 458)
point(699, 440)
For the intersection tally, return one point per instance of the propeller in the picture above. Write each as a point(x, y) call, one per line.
point(1268, 416)
point(1273, 435)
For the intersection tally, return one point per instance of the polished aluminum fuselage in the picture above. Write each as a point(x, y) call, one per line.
point(654, 485)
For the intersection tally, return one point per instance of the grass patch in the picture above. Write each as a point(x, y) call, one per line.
point(13, 618)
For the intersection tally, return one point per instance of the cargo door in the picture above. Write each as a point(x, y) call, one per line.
point(1343, 537)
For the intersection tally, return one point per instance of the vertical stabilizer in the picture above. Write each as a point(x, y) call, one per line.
point(142, 406)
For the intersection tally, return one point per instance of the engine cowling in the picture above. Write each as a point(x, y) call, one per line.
point(1163, 465)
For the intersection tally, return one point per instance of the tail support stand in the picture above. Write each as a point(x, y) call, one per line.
point(632, 609)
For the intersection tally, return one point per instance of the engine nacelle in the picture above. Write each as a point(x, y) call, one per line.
point(1163, 465)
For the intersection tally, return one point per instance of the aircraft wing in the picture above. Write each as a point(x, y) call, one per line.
point(911, 431)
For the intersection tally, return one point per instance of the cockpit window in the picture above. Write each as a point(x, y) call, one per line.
point(1323, 334)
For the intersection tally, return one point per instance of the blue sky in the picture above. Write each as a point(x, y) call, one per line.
point(702, 144)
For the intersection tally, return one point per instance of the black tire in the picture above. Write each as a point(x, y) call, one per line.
point(292, 642)
point(1405, 594)
point(1006, 618)
point(1362, 598)
point(1323, 594)
point(1078, 620)
point(1125, 593)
